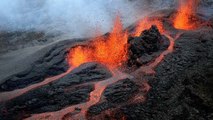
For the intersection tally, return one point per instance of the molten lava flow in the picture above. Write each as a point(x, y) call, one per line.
point(78, 112)
point(5, 96)
point(183, 19)
point(109, 50)
point(149, 69)
point(146, 24)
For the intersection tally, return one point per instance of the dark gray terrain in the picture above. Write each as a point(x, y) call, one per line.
point(181, 88)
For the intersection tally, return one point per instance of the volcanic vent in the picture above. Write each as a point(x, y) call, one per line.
point(158, 68)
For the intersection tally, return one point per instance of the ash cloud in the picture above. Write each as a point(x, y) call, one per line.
point(72, 18)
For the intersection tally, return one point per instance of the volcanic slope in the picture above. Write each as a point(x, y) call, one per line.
point(181, 87)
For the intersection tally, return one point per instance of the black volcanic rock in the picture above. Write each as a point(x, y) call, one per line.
point(146, 44)
point(117, 93)
point(52, 63)
point(88, 72)
point(120, 91)
point(64, 92)
point(181, 89)
point(182, 86)
point(44, 99)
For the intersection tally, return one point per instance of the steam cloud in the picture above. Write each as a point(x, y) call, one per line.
point(75, 18)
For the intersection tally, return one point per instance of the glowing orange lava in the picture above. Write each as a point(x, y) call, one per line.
point(95, 97)
point(186, 12)
point(79, 55)
point(110, 50)
point(145, 24)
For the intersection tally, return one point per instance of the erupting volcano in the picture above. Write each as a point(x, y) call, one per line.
point(186, 15)
point(110, 50)
point(157, 68)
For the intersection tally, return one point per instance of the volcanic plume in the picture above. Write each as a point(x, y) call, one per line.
point(158, 68)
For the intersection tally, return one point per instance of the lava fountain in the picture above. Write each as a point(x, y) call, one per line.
point(185, 16)
point(110, 50)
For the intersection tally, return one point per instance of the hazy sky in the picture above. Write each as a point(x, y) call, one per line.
point(75, 17)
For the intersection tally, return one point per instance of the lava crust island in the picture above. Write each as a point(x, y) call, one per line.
point(160, 68)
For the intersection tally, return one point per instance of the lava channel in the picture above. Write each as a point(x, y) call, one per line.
point(149, 69)
point(101, 53)
point(78, 112)
point(5, 96)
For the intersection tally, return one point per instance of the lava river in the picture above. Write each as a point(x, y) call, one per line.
point(79, 111)
point(110, 50)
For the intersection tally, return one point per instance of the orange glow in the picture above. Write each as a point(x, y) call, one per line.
point(146, 24)
point(110, 50)
point(78, 56)
point(183, 19)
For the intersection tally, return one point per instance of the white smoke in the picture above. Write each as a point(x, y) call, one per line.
point(75, 18)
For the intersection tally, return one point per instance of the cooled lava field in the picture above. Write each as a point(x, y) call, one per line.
point(159, 68)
